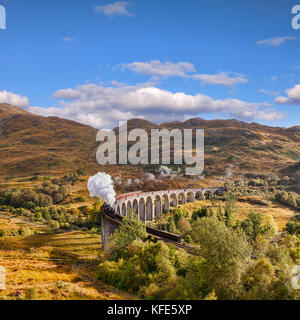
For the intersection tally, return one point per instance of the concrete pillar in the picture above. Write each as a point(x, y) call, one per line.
point(166, 206)
point(158, 206)
point(149, 209)
point(107, 230)
point(142, 210)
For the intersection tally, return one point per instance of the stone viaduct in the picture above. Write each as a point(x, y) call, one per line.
point(150, 205)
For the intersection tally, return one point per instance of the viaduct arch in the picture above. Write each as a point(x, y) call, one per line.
point(150, 205)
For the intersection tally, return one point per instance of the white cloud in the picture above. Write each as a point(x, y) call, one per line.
point(13, 99)
point(67, 94)
point(164, 69)
point(117, 8)
point(293, 96)
point(268, 92)
point(104, 107)
point(222, 78)
point(68, 39)
point(275, 42)
point(274, 79)
point(185, 70)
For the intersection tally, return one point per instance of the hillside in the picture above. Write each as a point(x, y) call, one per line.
point(32, 144)
point(291, 170)
point(246, 148)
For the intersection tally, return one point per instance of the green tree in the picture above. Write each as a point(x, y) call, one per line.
point(230, 209)
point(225, 252)
point(253, 225)
point(131, 229)
point(184, 225)
point(258, 279)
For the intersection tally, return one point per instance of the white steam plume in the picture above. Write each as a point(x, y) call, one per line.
point(101, 186)
point(118, 180)
point(150, 176)
point(228, 172)
point(165, 172)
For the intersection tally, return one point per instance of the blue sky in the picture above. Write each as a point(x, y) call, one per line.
point(98, 61)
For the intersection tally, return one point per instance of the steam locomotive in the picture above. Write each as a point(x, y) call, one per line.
point(108, 210)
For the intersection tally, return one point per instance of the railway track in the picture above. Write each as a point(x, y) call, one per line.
point(160, 235)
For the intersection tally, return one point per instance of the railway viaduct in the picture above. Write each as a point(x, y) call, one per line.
point(150, 205)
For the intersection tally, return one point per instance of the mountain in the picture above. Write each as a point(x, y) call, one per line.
point(245, 147)
point(32, 144)
point(291, 170)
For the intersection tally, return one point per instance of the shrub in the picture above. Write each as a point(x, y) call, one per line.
point(31, 294)
point(3, 233)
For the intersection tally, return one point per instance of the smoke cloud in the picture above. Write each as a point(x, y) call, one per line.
point(101, 186)
point(167, 172)
point(228, 172)
point(150, 176)
point(118, 180)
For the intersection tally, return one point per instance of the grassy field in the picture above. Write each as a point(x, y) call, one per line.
point(57, 267)
point(280, 213)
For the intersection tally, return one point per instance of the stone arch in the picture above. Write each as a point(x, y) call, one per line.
point(149, 209)
point(157, 206)
point(118, 210)
point(123, 209)
point(142, 210)
point(165, 203)
point(208, 195)
point(173, 200)
point(129, 207)
point(181, 198)
point(199, 195)
point(135, 206)
point(190, 197)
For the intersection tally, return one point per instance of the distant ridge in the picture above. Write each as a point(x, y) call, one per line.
point(31, 144)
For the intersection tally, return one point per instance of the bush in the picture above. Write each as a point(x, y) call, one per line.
point(25, 231)
point(3, 233)
point(31, 294)
point(54, 225)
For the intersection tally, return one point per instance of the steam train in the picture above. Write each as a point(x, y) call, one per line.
point(108, 210)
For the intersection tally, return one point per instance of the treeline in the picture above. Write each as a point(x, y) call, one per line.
point(23, 231)
point(56, 217)
point(272, 192)
point(44, 195)
point(41, 204)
